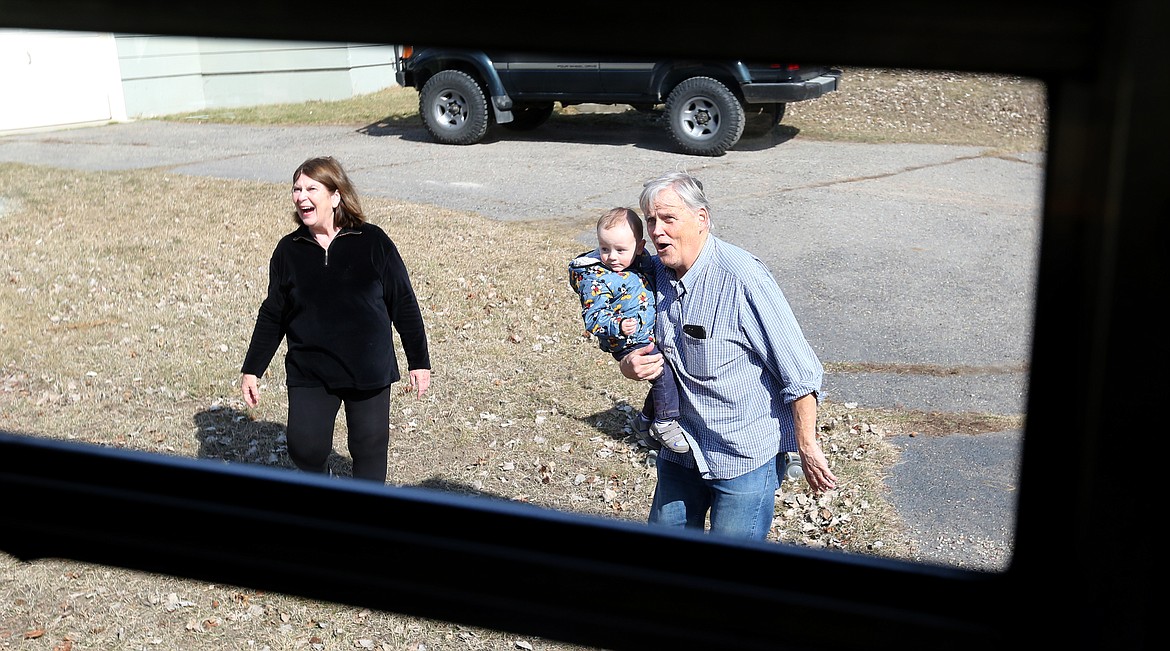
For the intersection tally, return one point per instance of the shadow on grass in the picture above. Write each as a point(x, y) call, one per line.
point(617, 422)
point(232, 436)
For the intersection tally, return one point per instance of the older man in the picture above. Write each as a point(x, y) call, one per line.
point(748, 378)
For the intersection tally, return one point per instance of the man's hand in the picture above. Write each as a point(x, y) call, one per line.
point(640, 364)
point(812, 458)
point(816, 469)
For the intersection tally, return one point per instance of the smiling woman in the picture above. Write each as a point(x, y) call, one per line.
point(336, 287)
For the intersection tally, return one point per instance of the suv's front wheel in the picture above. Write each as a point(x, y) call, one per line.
point(453, 108)
point(706, 119)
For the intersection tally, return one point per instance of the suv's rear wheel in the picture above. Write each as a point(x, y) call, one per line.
point(706, 119)
point(528, 116)
point(453, 108)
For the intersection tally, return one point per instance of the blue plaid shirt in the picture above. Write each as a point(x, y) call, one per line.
point(741, 360)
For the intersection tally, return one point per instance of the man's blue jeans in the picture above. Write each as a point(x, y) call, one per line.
point(741, 507)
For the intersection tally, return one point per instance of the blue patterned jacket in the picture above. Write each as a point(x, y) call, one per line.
point(607, 296)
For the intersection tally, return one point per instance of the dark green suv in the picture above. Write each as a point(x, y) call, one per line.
point(707, 103)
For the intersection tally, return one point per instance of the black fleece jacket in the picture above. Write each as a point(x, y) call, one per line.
point(336, 308)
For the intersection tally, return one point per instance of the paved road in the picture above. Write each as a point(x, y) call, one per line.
point(912, 263)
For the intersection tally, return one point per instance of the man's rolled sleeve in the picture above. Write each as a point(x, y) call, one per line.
point(776, 335)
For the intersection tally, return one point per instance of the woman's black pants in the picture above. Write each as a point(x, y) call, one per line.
point(312, 412)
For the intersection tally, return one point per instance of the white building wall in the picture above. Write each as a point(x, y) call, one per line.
point(160, 75)
point(164, 74)
point(53, 78)
point(371, 67)
point(58, 79)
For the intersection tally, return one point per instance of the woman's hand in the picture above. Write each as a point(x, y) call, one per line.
point(250, 388)
point(420, 381)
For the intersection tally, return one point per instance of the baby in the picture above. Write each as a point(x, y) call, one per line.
point(617, 305)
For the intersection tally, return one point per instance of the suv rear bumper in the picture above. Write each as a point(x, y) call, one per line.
point(791, 92)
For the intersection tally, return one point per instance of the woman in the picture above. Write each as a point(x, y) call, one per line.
point(336, 285)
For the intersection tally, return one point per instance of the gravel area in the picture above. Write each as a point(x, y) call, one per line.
point(877, 105)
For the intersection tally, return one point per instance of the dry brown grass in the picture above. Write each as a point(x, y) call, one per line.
point(143, 315)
